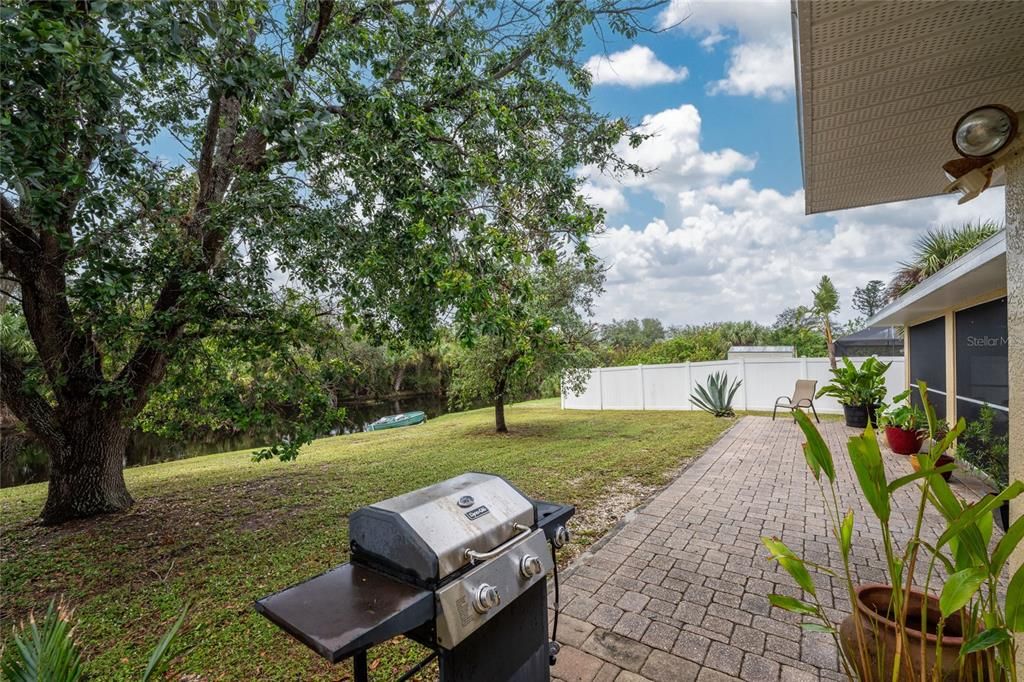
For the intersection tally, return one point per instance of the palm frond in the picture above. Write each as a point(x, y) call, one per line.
point(935, 249)
point(45, 651)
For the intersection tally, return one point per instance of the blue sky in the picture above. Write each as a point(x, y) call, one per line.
point(718, 231)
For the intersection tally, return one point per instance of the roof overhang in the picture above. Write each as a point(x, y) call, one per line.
point(979, 273)
point(880, 86)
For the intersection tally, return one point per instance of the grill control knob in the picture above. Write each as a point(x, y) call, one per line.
point(562, 537)
point(486, 598)
point(530, 566)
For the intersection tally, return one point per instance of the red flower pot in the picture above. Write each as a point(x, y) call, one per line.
point(903, 441)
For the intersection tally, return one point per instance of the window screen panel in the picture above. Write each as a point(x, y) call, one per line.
point(982, 362)
point(928, 362)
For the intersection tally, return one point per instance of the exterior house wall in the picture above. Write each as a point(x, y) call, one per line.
point(1015, 325)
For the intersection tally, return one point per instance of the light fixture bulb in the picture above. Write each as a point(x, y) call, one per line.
point(984, 131)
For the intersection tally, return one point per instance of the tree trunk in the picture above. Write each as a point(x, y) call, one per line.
point(397, 386)
point(499, 414)
point(830, 342)
point(86, 471)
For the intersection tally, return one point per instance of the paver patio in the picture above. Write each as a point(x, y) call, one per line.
point(679, 591)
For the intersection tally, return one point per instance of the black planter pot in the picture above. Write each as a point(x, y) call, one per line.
point(857, 415)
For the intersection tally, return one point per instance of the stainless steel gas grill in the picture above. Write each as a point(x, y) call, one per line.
point(458, 566)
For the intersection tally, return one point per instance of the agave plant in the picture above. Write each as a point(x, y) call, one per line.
point(716, 397)
point(46, 651)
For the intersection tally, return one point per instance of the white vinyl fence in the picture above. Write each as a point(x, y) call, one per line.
point(668, 387)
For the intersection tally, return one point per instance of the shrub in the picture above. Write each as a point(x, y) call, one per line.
point(716, 396)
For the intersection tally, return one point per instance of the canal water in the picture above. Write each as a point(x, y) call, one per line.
point(29, 465)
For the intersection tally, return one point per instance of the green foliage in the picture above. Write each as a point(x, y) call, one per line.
point(936, 249)
point(716, 396)
point(972, 588)
point(852, 385)
point(621, 335)
point(826, 299)
point(276, 385)
point(539, 330)
point(870, 298)
point(799, 317)
point(985, 448)
point(47, 651)
point(791, 563)
point(385, 161)
point(826, 304)
point(702, 343)
point(902, 414)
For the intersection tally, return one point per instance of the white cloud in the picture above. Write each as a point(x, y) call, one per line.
point(752, 19)
point(676, 163)
point(725, 249)
point(758, 69)
point(760, 60)
point(636, 67)
point(607, 196)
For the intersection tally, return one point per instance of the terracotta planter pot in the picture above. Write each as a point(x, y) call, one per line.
point(942, 461)
point(879, 633)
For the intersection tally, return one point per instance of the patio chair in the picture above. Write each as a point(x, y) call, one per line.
point(803, 396)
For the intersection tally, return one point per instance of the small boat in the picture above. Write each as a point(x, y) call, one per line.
point(394, 421)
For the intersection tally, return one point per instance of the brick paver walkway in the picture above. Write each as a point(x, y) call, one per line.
point(679, 591)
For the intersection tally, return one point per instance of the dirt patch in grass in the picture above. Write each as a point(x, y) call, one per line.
point(591, 522)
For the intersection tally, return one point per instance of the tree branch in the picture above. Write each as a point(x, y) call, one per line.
point(15, 230)
point(30, 407)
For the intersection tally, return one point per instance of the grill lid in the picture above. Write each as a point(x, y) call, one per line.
point(425, 533)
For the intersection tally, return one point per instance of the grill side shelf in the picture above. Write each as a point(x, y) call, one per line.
point(347, 609)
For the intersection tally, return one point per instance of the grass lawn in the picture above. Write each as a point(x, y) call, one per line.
point(220, 531)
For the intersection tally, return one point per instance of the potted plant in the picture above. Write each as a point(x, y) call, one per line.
point(899, 630)
point(859, 390)
point(903, 423)
point(935, 435)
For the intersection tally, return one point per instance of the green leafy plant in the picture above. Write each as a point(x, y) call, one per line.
point(985, 449)
point(971, 590)
point(935, 250)
point(716, 397)
point(902, 414)
point(852, 385)
point(46, 651)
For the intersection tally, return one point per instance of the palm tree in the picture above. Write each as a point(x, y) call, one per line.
point(936, 249)
point(826, 303)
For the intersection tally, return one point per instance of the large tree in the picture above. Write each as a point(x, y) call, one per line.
point(870, 298)
point(540, 330)
point(167, 164)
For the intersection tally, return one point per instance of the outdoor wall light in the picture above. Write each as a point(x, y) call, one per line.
point(986, 137)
